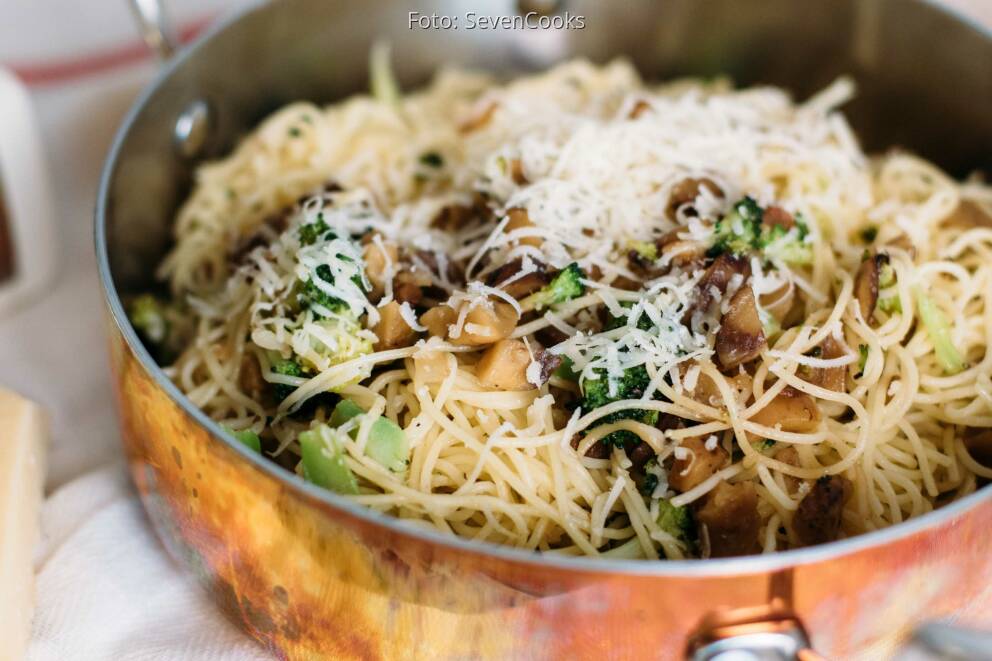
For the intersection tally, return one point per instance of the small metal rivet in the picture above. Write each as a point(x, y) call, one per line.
point(193, 128)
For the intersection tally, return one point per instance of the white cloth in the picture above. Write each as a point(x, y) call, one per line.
point(106, 590)
point(105, 587)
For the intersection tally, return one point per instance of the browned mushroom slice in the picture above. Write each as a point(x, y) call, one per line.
point(262, 235)
point(866, 284)
point(598, 450)
point(438, 319)
point(639, 109)
point(522, 286)
point(818, 517)
point(698, 466)
point(705, 390)
point(779, 302)
point(503, 366)
point(686, 192)
point(430, 260)
point(550, 336)
point(789, 455)
point(831, 378)
point(431, 366)
point(453, 217)
point(903, 242)
point(519, 219)
point(549, 362)
point(730, 515)
point(641, 454)
point(794, 410)
point(392, 330)
point(408, 286)
point(978, 442)
point(679, 252)
point(484, 324)
point(970, 214)
point(250, 378)
point(741, 336)
point(517, 172)
point(625, 283)
point(480, 119)
point(715, 281)
point(777, 216)
point(378, 257)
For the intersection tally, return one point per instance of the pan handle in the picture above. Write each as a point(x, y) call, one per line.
point(748, 635)
point(763, 633)
point(155, 27)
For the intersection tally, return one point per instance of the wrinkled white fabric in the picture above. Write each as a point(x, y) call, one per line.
point(106, 590)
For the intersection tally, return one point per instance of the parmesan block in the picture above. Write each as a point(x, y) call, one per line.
point(23, 441)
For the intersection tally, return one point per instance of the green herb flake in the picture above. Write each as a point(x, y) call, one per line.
point(862, 360)
point(869, 234)
point(432, 159)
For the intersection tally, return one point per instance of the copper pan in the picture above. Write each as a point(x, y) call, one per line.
point(311, 575)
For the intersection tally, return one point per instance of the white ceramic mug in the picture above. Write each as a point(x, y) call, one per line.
point(27, 239)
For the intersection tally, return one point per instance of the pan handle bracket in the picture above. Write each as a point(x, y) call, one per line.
point(768, 633)
point(155, 27)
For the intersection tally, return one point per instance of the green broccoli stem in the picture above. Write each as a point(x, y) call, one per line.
point(939, 330)
point(563, 287)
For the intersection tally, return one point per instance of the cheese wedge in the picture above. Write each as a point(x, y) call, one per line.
point(23, 441)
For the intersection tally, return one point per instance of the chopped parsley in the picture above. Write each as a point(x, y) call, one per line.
point(862, 360)
point(432, 159)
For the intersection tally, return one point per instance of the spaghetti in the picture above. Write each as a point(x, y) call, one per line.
point(605, 318)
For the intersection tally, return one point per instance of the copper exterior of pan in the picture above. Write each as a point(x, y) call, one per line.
point(311, 575)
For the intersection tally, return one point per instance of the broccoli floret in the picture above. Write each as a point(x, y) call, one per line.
point(310, 294)
point(649, 480)
point(742, 231)
point(311, 232)
point(869, 233)
point(432, 159)
point(887, 279)
point(939, 331)
point(566, 370)
point(645, 249)
point(739, 231)
point(346, 340)
point(764, 446)
point(246, 436)
point(862, 360)
point(563, 287)
point(788, 245)
point(648, 485)
point(147, 314)
point(288, 367)
point(643, 321)
point(162, 325)
point(596, 393)
point(676, 521)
